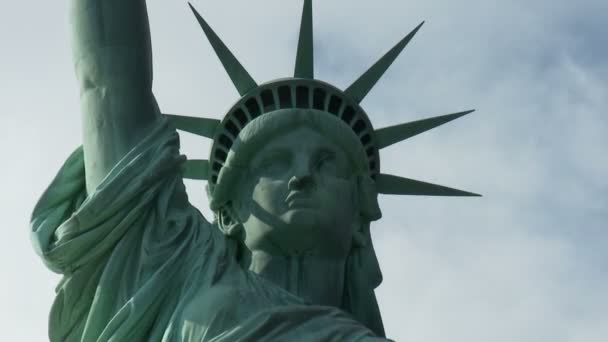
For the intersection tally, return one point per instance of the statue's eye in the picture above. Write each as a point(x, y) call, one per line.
point(274, 165)
point(326, 163)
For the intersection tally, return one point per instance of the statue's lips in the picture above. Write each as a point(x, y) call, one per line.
point(299, 200)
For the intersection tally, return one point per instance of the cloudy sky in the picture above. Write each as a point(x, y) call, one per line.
point(527, 262)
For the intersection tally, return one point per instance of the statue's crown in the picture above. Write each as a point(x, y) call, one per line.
point(303, 91)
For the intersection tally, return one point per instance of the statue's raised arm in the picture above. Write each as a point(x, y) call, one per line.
point(113, 62)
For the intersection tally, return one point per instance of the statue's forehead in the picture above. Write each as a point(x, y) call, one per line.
point(303, 142)
point(301, 139)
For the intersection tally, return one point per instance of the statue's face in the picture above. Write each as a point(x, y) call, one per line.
point(300, 197)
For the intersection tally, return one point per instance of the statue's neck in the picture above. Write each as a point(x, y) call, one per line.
point(316, 279)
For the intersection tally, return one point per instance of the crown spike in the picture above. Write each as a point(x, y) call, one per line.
point(359, 89)
point(200, 126)
point(239, 76)
point(196, 169)
point(305, 55)
point(389, 135)
point(394, 185)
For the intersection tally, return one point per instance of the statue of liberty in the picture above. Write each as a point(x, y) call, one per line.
point(293, 179)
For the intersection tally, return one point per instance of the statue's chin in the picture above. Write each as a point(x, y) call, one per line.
point(298, 231)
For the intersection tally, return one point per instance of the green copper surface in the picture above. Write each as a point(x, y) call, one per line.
point(359, 89)
point(395, 185)
point(390, 135)
point(200, 126)
point(196, 169)
point(293, 182)
point(239, 76)
point(305, 53)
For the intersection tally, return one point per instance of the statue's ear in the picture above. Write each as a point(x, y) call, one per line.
point(368, 198)
point(228, 221)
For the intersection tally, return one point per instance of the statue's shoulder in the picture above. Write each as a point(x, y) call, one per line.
point(238, 294)
point(221, 307)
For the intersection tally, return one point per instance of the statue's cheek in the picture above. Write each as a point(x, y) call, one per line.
point(339, 189)
point(270, 194)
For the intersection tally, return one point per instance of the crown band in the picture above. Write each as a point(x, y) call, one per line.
point(292, 93)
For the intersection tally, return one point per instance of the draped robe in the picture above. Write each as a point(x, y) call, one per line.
point(140, 263)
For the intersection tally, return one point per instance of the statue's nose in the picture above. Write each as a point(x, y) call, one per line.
point(301, 177)
point(299, 183)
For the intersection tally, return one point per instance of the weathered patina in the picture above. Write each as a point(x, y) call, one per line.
point(293, 179)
